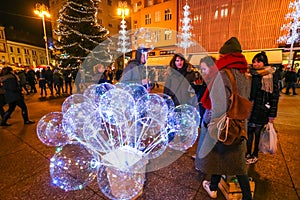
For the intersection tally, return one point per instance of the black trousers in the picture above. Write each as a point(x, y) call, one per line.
point(12, 106)
point(243, 181)
point(2, 103)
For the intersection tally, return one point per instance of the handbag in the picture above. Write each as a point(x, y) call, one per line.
point(230, 126)
point(268, 139)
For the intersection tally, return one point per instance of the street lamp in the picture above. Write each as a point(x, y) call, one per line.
point(42, 11)
point(123, 11)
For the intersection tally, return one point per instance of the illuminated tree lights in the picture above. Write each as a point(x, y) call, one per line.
point(185, 35)
point(291, 28)
point(110, 132)
point(78, 32)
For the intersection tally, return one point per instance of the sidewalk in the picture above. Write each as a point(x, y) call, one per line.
point(24, 163)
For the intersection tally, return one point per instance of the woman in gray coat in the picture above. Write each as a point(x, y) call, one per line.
point(213, 157)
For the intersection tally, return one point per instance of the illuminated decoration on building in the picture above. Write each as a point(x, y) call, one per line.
point(291, 28)
point(185, 35)
point(79, 33)
point(110, 132)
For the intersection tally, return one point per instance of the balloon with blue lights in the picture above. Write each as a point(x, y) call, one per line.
point(110, 132)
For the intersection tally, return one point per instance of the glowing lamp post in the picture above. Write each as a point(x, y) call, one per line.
point(123, 11)
point(42, 11)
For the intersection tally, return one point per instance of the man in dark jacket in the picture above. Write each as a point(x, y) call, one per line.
point(135, 72)
point(49, 79)
point(31, 80)
point(290, 79)
point(13, 96)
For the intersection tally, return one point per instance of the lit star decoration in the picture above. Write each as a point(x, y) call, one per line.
point(110, 132)
point(186, 35)
point(291, 35)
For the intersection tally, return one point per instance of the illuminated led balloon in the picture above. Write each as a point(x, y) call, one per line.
point(136, 90)
point(149, 136)
point(116, 184)
point(50, 131)
point(74, 118)
point(73, 167)
point(94, 91)
point(118, 107)
point(153, 106)
point(102, 136)
point(183, 123)
point(73, 100)
point(168, 100)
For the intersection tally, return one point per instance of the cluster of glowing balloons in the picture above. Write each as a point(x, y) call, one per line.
point(110, 132)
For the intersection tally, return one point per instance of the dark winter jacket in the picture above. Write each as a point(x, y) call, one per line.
point(265, 104)
point(13, 91)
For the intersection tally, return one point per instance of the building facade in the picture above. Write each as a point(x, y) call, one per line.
point(20, 54)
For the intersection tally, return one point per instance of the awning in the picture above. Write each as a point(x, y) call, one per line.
point(159, 61)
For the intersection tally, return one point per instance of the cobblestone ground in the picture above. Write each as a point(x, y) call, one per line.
point(24, 163)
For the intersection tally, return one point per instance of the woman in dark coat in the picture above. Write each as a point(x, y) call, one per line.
point(13, 96)
point(178, 82)
point(213, 157)
point(265, 95)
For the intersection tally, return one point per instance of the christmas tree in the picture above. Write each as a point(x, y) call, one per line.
point(79, 33)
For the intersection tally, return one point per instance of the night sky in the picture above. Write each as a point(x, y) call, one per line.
point(20, 15)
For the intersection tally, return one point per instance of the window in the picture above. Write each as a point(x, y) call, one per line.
point(157, 35)
point(109, 2)
point(1, 35)
point(100, 21)
point(13, 59)
point(20, 60)
point(11, 50)
point(148, 19)
point(110, 25)
point(168, 34)
point(18, 50)
point(168, 15)
point(157, 16)
point(135, 24)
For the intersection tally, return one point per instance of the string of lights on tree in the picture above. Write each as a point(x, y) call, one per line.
point(186, 35)
point(79, 33)
point(124, 44)
point(290, 28)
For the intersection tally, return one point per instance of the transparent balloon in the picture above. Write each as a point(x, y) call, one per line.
point(73, 167)
point(149, 136)
point(169, 101)
point(153, 106)
point(94, 92)
point(50, 131)
point(136, 90)
point(102, 136)
point(73, 100)
point(117, 184)
point(183, 123)
point(118, 106)
point(74, 118)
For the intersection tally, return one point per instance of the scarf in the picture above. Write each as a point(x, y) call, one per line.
point(228, 61)
point(267, 77)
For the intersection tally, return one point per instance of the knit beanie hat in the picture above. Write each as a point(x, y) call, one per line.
point(232, 45)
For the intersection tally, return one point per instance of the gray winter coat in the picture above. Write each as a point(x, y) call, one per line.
point(212, 156)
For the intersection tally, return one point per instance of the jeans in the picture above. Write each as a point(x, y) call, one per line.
point(11, 108)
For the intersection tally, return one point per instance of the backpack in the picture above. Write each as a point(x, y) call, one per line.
point(230, 127)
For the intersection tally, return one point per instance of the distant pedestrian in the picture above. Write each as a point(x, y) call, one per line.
point(2, 97)
point(13, 96)
point(68, 79)
point(23, 80)
point(290, 80)
point(49, 79)
point(31, 79)
point(42, 82)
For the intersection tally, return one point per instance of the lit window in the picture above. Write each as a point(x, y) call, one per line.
point(168, 34)
point(157, 16)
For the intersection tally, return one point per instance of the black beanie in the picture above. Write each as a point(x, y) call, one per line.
point(232, 45)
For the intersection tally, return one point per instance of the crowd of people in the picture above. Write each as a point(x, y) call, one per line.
point(207, 88)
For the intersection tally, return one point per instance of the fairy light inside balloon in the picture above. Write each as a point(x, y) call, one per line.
point(112, 132)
